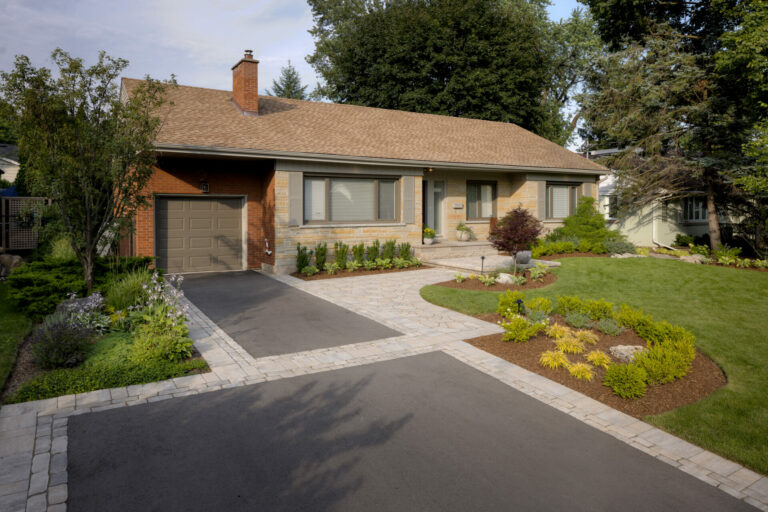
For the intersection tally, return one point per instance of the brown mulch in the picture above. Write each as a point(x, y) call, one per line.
point(475, 284)
point(573, 255)
point(705, 376)
point(358, 272)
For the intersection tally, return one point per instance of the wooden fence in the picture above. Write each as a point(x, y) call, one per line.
point(20, 219)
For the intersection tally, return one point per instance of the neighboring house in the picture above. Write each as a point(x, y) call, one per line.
point(9, 168)
point(242, 178)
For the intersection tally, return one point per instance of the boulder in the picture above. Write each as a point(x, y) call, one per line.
point(627, 255)
point(625, 353)
point(505, 279)
point(523, 257)
point(691, 259)
point(9, 262)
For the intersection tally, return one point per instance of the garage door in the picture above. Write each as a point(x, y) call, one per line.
point(199, 234)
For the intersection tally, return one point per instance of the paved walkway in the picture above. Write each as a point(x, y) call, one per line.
point(33, 435)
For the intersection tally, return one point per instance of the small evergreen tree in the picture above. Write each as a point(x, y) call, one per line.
point(288, 85)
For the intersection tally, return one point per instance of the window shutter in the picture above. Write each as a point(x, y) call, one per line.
point(409, 205)
point(294, 198)
point(542, 199)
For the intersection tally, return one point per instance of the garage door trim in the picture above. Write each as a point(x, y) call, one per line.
point(244, 222)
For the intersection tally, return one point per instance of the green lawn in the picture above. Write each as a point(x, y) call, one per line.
point(14, 327)
point(727, 310)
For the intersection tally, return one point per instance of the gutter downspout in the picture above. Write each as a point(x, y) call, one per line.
point(653, 228)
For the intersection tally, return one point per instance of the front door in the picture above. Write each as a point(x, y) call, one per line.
point(433, 197)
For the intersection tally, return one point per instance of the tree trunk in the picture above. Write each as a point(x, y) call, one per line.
point(514, 262)
point(714, 221)
point(87, 263)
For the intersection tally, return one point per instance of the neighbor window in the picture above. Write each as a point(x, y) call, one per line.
point(561, 200)
point(694, 209)
point(481, 200)
point(329, 199)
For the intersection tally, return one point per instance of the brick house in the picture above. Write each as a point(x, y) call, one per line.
point(241, 178)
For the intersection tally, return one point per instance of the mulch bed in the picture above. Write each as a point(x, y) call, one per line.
point(475, 284)
point(358, 272)
point(705, 376)
point(573, 255)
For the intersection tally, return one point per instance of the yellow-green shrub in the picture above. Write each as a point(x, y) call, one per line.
point(570, 304)
point(520, 330)
point(586, 337)
point(539, 304)
point(664, 363)
point(599, 358)
point(570, 345)
point(581, 371)
point(626, 380)
point(599, 309)
point(507, 306)
point(554, 359)
point(558, 331)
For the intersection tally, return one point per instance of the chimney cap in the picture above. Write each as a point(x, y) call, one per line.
point(248, 54)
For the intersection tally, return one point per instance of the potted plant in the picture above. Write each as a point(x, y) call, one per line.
point(428, 235)
point(463, 232)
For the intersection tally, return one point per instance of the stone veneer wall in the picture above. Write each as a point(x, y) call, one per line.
point(288, 236)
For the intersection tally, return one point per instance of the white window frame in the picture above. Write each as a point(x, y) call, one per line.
point(695, 209)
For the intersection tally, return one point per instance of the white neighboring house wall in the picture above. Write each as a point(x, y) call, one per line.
point(655, 224)
point(10, 169)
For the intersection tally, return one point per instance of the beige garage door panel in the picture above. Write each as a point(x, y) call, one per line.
point(199, 234)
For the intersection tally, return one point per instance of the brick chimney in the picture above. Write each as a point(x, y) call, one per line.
point(245, 84)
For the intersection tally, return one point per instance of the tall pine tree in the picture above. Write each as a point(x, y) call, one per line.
point(288, 85)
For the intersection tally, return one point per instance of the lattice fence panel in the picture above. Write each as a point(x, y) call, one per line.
point(21, 219)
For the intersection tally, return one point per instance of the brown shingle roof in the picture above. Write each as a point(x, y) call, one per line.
point(207, 117)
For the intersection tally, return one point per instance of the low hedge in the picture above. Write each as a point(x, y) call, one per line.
point(39, 286)
point(102, 376)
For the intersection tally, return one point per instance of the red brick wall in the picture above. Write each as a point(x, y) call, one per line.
point(254, 179)
point(245, 85)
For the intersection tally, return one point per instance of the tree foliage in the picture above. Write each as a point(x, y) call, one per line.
point(498, 60)
point(84, 146)
point(288, 85)
point(516, 231)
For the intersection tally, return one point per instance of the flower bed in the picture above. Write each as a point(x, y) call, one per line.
point(542, 338)
point(471, 283)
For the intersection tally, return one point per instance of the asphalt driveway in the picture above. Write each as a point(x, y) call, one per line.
point(267, 317)
point(424, 433)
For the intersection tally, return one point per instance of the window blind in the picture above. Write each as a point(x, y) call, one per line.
point(559, 208)
point(314, 199)
point(386, 200)
point(352, 200)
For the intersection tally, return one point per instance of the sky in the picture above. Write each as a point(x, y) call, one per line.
point(197, 40)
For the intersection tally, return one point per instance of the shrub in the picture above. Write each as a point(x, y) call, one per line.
point(303, 257)
point(645, 251)
point(570, 304)
point(508, 305)
point(599, 358)
point(160, 337)
point(663, 363)
point(578, 320)
point(619, 247)
point(586, 223)
point(321, 251)
point(310, 270)
point(519, 330)
point(682, 240)
point(61, 251)
point(550, 248)
point(540, 304)
point(488, 280)
point(358, 254)
point(373, 251)
point(102, 376)
point(518, 280)
point(626, 380)
point(416, 262)
point(404, 251)
point(557, 331)
point(340, 254)
point(538, 272)
point(369, 265)
point(599, 309)
point(699, 249)
point(609, 327)
point(554, 359)
point(58, 343)
point(586, 337)
point(599, 248)
point(459, 277)
point(384, 263)
point(401, 262)
point(331, 268)
point(631, 318)
point(584, 246)
point(129, 290)
point(537, 317)
point(353, 265)
point(581, 371)
point(723, 251)
point(516, 231)
point(570, 345)
point(388, 250)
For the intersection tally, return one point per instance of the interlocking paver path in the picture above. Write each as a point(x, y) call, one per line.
point(33, 435)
